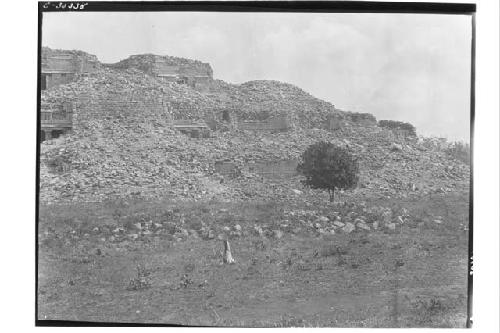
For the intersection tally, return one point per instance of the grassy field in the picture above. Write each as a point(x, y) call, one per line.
point(414, 276)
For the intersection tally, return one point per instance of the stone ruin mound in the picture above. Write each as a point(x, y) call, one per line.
point(124, 143)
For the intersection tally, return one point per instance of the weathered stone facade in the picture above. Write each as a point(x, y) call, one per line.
point(61, 66)
point(270, 169)
point(195, 129)
point(362, 119)
point(334, 121)
point(273, 168)
point(274, 124)
point(56, 121)
point(227, 168)
point(195, 74)
point(402, 133)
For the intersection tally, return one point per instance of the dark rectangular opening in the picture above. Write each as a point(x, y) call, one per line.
point(43, 83)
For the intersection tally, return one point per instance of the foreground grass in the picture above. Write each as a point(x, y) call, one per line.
point(414, 276)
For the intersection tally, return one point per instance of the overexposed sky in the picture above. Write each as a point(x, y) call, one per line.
point(409, 67)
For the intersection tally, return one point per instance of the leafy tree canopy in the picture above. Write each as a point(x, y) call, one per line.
point(329, 167)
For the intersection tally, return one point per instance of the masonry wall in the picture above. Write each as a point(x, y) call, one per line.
point(121, 107)
point(61, 67)
point(162, 68)
point(226, 168)
point(55, 79)
point(362, 119)
point(168, 78)
point(274, 124)
point(200, 83)
point(98, 110)
point(68, 61)
point(197, 76)
point(56, 119)
point(132, 105)
point(184, 110)
point(273, 168)
point(334, 122)
point(134, 109)
point(401, 133)
point(366, 122)
point(62, 63)
point(86, 66)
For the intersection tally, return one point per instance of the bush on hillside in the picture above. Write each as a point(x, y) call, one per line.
point(329, 167)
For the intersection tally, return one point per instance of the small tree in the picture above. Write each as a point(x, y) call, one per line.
point(329, 167)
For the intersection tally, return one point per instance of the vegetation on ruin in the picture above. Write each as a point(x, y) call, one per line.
point(329, 167)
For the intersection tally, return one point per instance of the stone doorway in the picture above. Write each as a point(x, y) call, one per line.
point(225, 116)
point(43, 82)
point(56, 134)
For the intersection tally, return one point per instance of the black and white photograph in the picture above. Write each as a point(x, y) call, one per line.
point(269, 166)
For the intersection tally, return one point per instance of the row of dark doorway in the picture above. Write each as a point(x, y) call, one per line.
point(53, 134)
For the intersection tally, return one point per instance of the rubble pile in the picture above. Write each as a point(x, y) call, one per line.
point(122, 141)
point(123, 144)
point(259, 100)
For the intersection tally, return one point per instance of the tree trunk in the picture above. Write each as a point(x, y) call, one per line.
point(227, 258)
